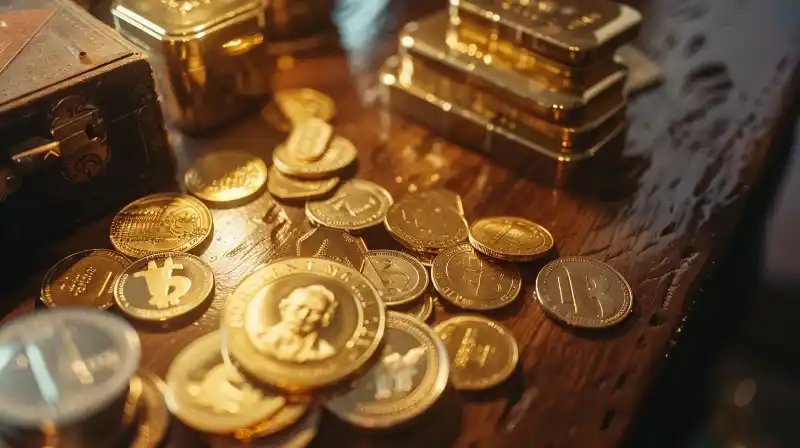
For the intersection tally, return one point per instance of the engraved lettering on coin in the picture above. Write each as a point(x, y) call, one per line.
point(165, 288)
point(423, 226)
point(400, 277)
point(83, 279)
point(510, 238)
point(357, 205)
point(226, 176)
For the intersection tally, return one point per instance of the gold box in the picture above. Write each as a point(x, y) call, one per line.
point(210, 57)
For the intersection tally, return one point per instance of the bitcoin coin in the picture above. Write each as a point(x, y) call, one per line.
point(510, 238)
point(421, 308)
point(154, 418)
point(210, 395)
point(424, 226)
point(163, 286)
point(226, 176)
point(358, 204)
point(584, 292)
point(299, 105)
point(406, 381)
point(474, 282)
point(83, 279)
point(303, 323)
point(282, 186)
point(443, 196)
point(163, 222)
point(339, 155)
point(309, 139)
point(482, 352)
point(401, 277)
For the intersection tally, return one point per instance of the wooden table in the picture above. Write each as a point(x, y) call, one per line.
point(697, 147)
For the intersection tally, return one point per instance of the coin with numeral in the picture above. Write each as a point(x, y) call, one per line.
point(584, 292)
point(401, 277)
point(510, 238)
point(84, 279)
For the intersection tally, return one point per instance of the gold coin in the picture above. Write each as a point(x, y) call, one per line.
point(406, 381)
point(584, 292)
point(303, 323)
point(421, 308)
point(163, 286)
point(509, 238)
point(444, 197)
point(154, 418)
point(298, 436)
point(472, 281)
point(226, 176)
point(210, 395)
point(401, 278)
point(333, 244)
point(163, 222)
point(482, 352)
point(424, 226)
point(339, 155)
point(358, 204)
point(287, 416)
point(84, 279)
point(299, 105)
point(286, 187)
point(275, 117)
point(309, 140)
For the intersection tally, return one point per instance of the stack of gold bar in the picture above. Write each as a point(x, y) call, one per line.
point(533, 83)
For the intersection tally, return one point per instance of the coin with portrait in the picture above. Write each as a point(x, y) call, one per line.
point(303, 323)
point(358, 204)
point(340, 154)
point(425, 226)
point(482, 352)
point(401, 278)
point(163, 286)
point(406, 381)
point(282, 186)
point(510, 238)
point(299, 105)
point(584, 292)
point(472, 281)
point(421, 309)
point(162, 222)
point(226, 176)
point(84, 279)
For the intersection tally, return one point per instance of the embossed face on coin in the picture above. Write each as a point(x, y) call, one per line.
point(285, 187)
point(299, 105)
point(406, 381)
point(339, 155)
point(401, 278)
point(425, 226)
point(84, 279)
point(473, 281)
point(226, 176)
point(510, 238)
point(584, 292)
point(482, 352)
point(161, 222)
point(163, 286)
point(357, 205)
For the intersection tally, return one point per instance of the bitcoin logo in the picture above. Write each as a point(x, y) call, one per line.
point(586, 291)
point(165, 289)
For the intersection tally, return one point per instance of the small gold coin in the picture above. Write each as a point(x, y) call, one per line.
point(421, 308)
point(163, 222)
point(226, 176)
point(482, 352)
point(406, 381)
point(163, 286)
point(474, 282)
point(84, 279)
point(509, 238)
point(339, 155)
point(154, 418)
point(424, 226)
point(210, 395)
point(584, 292)
point(299, 105)
point(401, 278)
point(444, 197)
point(286, 187)
point(358, 204)
point(303, 323)
point(309, 140)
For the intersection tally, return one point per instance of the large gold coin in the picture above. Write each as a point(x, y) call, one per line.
point(309, 139)
point(472, 281)
point(584, 292)
point(401, 277)
point(299, 105)
point(358, 204)
point(84, 279)
point(425, 226)
point(162, 222)
point(406, 381)
point(226, 176)
point(286, 187)
point(482, 352)
point(304, 323)
point(339, 155)
point(510, 238)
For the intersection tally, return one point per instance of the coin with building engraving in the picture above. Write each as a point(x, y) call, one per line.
point(401, 278)
point(358, 204)
point(422, 308)
point(162, 222)
point(299, 105)
point(84, 279)
point(226, 176)
point(153, 421)
point(583, 292)
point(425, 226)
point(303, 323)
point(473, 281)
point(340, 154)
point(403, 383)
point(510, 238)
point(483, 353)
point(286, 187)
point(164, 286)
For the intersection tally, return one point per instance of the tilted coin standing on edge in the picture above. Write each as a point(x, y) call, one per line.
point(401, 278)
point(424, 226)
point(85, 278)
point(309, 139)
point(162, 222)
point(226, 176)
point(406, 381)
point(358, 204)
point(154, 417)
point(510, 238)
point(482, 352)
point(340, 154)
point(286, 187)
point(164, 286)
point(421, 308)
point(304, 323)
point(299, 105)
point(472, 281)
point(584, 292)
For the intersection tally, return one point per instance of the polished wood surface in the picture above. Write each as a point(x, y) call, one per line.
point(695, 149)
